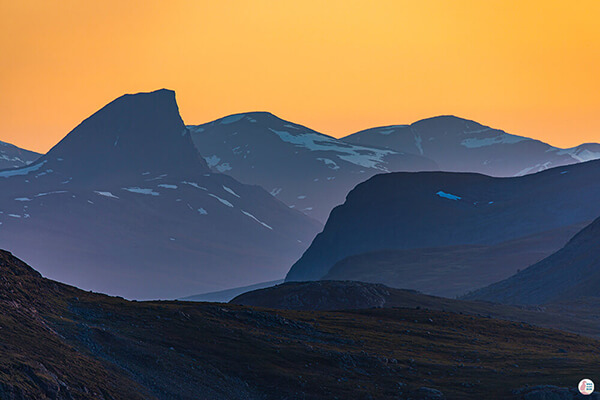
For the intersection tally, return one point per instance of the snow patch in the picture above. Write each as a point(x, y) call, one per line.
point(364, 156)
point(164, 185)
point(256, 219)
point(105, 194)
point(142, 191)
point(330, 163)
point(22, 171)
point(212, 160)
point(202, 211)
point(580, 155)
point(231, 191)
point(275, 191)
point(49, 193)
point(448, 196)
point(503, 138)
point(193, 184)
point(223, 167)
point(228, 204)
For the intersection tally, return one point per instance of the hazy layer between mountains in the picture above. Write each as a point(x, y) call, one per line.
point(125, 205)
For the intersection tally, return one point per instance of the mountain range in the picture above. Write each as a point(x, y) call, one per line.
point(314, 172)
point(403, 211)
point(124, 204)
point(307, 170)
point(133, 195)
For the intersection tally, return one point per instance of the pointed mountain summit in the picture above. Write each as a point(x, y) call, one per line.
point(307, 170)
point(461, 145)
point(125, 204)
point(132, 134)
point(569, 274)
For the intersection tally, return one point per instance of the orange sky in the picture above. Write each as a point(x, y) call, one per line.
point(528, 67)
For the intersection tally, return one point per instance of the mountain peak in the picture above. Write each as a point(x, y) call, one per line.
point(133, 132)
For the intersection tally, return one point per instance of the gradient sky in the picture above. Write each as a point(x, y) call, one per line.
point(528, 67)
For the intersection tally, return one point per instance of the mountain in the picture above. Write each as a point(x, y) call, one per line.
point(451, 271)
point(460, 145)
point(13, 157)
point(400, 211)
point(307, 170)
point(570, 273)
point(124, 204)
point(62, 343)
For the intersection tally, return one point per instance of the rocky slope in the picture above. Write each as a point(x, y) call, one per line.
point(59, 342)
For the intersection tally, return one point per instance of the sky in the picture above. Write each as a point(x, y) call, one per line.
point(528, 67)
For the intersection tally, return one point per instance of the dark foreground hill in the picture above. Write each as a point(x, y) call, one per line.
point(401, 211)
point(570, 273)
point(574, 316)
point(58, 342)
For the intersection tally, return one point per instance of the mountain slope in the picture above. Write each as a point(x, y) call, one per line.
point(59, 343)
point(305, 169)
point(13, 157)
point(125, 204)
point(570, 273)
point(460, 145)
point(451, 271)
point(432, 209)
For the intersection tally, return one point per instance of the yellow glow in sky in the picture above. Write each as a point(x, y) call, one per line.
point(528, 67)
